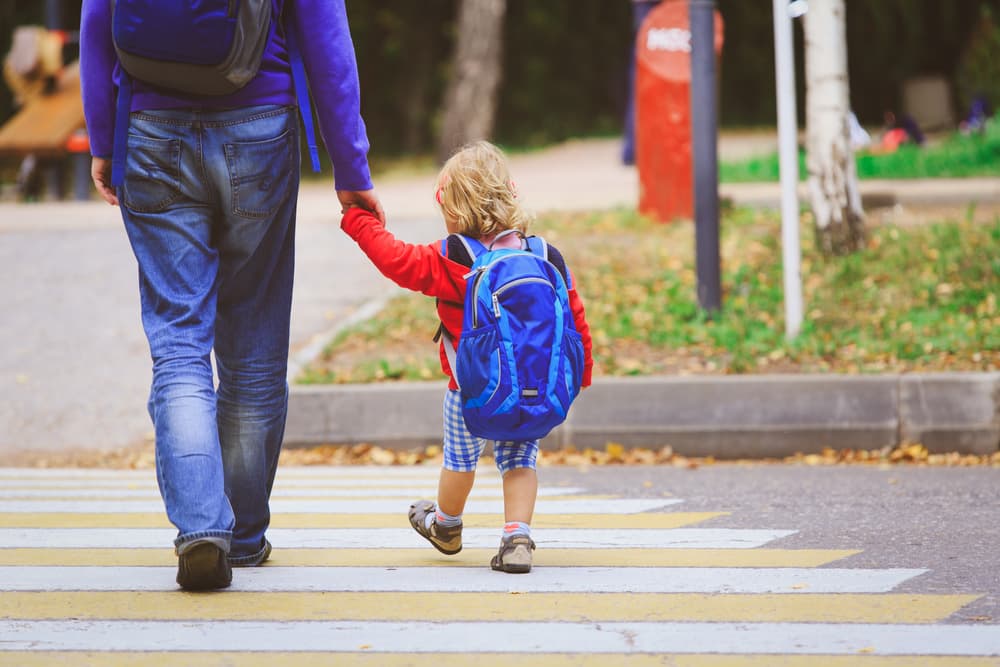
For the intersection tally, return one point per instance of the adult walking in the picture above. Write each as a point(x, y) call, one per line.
point(208, 194)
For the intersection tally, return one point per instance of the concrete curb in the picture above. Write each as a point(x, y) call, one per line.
point(755, 416)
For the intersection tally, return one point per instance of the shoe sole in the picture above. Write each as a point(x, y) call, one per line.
point(518, 566)
point(204, 568)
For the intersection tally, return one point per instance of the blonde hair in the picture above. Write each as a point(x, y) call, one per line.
point(476, 192)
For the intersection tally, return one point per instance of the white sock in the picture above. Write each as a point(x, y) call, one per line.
point(442, 519)
point(514, 528)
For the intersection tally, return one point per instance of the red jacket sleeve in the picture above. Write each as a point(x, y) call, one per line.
point(580, 319)
point(420, 268)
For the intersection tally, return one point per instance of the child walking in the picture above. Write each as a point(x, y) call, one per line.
point(478, 201)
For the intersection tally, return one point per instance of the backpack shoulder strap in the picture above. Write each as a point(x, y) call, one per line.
point(461, 249)
point(123, 108)
point(302, 92)
point(538, 246)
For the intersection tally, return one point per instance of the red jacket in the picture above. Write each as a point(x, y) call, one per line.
point(422, 268)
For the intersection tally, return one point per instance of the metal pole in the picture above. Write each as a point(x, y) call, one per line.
point(784, 69)
point(54, 15)
point(704, 147)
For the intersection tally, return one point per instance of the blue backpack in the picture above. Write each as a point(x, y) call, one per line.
point(196, 47)
point(520, 360)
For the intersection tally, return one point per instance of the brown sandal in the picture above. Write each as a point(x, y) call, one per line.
point(446, 539)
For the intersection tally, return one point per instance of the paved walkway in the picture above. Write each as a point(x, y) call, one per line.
point(74, 368)
point(85, 567)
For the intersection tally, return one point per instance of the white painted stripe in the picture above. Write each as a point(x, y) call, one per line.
point(485, 470)
point(152, 493)
point(384, 637)
point(310, 472)
point(544, 506)
point(401, 538)
point(149, 482)
point(72, 473)
point(432, 579)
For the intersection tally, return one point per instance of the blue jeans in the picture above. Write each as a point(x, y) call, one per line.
point(209, 207)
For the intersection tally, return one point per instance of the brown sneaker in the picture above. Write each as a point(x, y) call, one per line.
point(446, 539)
point(514, 556)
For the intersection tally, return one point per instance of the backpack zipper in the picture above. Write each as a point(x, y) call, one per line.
point(475, 288)
point(515, 283)
point(479, 272)
point(496, 295)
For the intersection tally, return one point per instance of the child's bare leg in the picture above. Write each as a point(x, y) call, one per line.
point(520, 489)
point(453, 490)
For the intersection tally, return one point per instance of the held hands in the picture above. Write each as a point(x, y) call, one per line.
point(100, 172)
point(366, 199)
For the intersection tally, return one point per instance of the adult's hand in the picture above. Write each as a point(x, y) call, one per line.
point(100, 171)
point(366, 199)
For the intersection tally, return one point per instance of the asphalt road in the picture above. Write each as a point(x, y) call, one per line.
point(944, 519)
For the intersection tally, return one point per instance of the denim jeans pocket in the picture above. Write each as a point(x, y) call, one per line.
point(261, 173)
point(152, 173)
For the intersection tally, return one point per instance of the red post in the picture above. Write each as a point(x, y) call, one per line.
point(663, 111)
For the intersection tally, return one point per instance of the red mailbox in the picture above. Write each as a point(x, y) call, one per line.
point(663, 111)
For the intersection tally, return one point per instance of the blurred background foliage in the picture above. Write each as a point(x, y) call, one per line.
point(565, 62)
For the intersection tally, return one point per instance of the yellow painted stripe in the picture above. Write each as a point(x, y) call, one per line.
point(303, 520)
point(428, 557)
point(566, 607)
point(276, 659)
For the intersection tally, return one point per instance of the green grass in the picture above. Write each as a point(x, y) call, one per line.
point(918, 298)
point(955, 157)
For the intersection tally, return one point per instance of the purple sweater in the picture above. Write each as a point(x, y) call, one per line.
point(328, 54)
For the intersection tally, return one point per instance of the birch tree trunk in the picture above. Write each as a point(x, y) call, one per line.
point(471, 96)
point(832, 173)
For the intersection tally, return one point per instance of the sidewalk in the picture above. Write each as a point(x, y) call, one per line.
point(74, 367)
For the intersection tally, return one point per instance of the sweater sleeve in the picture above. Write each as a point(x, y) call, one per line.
point(328, 55)
point(583, 328)
point(421, 268)
point(97, 61)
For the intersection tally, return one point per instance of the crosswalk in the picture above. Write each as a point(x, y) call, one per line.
point(87, 578)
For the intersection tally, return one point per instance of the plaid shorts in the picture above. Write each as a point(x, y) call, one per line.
point(462, 449)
